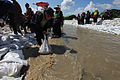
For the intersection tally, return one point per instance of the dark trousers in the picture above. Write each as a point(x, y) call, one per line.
point(95, 19)
point(39, 33)
point(87, 20)
point(28, 23)
point(57, 29)
point(82, 21)
point(78, 21)
point(14, 26)
point(16, 29)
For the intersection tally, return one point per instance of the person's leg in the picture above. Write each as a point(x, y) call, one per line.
point(24, 27)
point(39, 37)
point(94, 19)
point(31, 27)
point(12, 23)
point(79, 21)
point(82, 21)
point(54, 29)
point(14, 28)
point(18, 29)
point(58, 30)
point(86, 20)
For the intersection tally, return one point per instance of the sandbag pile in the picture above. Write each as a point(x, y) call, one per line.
point(11, 64)
point(11, 54)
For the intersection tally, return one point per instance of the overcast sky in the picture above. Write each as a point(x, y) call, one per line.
point(75, 6)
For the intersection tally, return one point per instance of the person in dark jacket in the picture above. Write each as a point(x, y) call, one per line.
point(29, 13)
point(58, 19)
point(41, 21)
point(38, 29)
point(82, 17)
point(18, 18)
point(88, 15)
point(78, 18)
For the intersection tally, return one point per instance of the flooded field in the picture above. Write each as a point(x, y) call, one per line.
point(81, 54)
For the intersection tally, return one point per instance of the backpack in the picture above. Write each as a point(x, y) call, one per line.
point(37, 17)
point(47, 17)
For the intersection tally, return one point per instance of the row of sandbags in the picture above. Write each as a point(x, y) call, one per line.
point(16, 42)
point(11, 64)
point(11, 54)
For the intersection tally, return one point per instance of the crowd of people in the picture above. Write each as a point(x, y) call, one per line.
point(107, 15)
point(39, 22)
point(84, 18)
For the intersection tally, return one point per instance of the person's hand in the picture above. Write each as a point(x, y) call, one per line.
point(44, 32)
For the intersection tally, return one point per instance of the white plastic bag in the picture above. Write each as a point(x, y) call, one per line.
point(45, 48)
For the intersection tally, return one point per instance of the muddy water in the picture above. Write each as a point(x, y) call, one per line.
point(81, 54)
point(88, 55)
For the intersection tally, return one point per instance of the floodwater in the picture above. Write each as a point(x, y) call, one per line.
point(83, 54)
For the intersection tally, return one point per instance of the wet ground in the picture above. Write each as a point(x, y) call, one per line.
point(81, 54)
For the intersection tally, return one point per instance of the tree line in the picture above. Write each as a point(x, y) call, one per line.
point(115, 14)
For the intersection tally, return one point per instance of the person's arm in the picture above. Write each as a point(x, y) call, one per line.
point(61, 15)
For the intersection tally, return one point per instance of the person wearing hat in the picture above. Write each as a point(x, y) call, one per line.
point(58, 20)
point(41, 21)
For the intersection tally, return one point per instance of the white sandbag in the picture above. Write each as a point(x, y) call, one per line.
point(3, 51)
point(14, 56)
point(28, 44)
point(5, 40)
point(45, 48)
point(14, 60)
point(24, 39)
point(10, 69)
point(15, 46)
point(6, 30)
point(10, 78)
point(16, 40)
point(32, 35)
